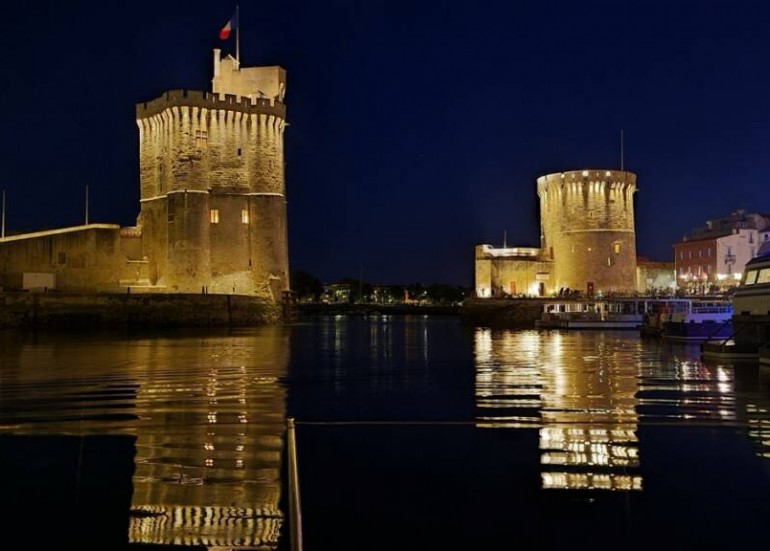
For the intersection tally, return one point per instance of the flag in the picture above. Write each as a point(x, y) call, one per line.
point(230, 26)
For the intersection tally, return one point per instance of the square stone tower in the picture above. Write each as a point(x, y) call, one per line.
point(213, 205)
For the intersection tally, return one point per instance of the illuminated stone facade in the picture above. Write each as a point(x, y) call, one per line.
point(212, 198)
point(588, 241)
point(212, 184)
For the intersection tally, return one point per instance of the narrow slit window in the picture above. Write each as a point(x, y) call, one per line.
point(245, 216)
point(214, 216)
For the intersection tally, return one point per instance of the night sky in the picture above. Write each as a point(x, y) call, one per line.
point(417, 129)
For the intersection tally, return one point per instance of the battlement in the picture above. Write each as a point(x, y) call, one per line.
point(210, 100)
point(616, 179)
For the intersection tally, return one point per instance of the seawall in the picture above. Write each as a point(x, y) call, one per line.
point(77, 310)
point(513, 313)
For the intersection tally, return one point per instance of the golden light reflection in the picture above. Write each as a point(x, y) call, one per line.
point(577, 390)
point(209, 451)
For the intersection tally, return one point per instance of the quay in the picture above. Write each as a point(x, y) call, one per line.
point(82, 310)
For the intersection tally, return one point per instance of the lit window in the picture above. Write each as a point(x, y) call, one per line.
point(214, 216)
point(689, 254)
point(201, 138)
point(617, 248)
point(245, 216)
point(700, 253)
point(681, 255)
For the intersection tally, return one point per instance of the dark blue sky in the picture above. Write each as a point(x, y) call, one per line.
point(418, 129)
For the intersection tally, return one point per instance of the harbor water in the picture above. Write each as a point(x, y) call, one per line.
point(412, 432)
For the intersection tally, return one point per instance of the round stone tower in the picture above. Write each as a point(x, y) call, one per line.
point(213, 214)
point(587, 228)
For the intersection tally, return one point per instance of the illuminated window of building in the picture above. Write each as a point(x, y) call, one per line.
point(699, 270)
point(700, 253)
point(689, 254)
point(214, 216)
point(62, 258)
point(245, 216)
point(681, 255)
point(201, 138)
point(617, 248)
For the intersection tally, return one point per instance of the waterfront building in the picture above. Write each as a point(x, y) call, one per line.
point(654, 277)
point(212, 201)
point(712, 257)
point(587, 240)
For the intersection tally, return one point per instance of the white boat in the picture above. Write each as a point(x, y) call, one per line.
point(750, 337)
point(603, 313)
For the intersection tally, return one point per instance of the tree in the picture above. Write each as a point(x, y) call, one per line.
point(305, 285)
point(441, 293)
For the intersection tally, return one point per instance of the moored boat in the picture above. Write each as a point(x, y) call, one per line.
point(700, 321)
point(750, 335)
point(605, 313)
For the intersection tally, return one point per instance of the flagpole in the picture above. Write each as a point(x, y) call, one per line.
point(3, 234)
point(238, 35)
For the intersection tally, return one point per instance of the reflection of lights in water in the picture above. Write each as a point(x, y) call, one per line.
point(590, 481)
point(723, 375)
point(483, 346)
point(596, 447)
point(579, 390)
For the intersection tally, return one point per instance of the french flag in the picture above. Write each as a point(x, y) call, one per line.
point(229, 27)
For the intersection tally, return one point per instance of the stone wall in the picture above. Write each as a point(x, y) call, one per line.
point(82, 258)
point(73, 311)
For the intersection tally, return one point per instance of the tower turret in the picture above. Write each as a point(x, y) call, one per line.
point(587, 229)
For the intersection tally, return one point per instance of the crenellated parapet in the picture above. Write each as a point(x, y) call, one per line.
point(211, 101)
point(608, 185)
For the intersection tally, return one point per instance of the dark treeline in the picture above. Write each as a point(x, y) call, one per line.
point(309, 288)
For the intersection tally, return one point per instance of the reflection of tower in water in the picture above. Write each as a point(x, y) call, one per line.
point(578, 390)
point(209, 446)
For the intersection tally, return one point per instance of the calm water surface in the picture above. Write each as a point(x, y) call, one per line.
point(412, 433)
